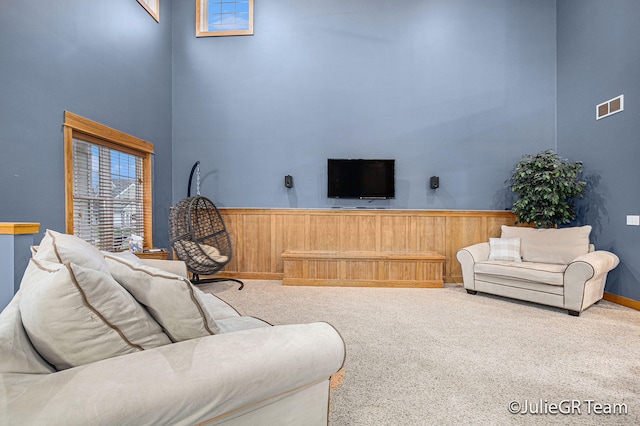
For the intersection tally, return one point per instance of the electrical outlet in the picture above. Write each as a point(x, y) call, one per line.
point(633, 220)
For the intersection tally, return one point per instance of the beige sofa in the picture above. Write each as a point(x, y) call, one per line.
point(247, 373)
point(554, 267)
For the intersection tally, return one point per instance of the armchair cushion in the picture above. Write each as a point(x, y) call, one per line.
point(546, 273)
point(558, 246)
point(172, 300)
point(75, 316)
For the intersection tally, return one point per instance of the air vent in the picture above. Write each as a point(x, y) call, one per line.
point(610, 107)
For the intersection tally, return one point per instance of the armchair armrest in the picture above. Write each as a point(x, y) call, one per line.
point(585, 278)
point(600, 260)
point(468, 257)
point(177, 267)
point(180, 383)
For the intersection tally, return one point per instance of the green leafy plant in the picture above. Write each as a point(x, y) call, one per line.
point(546, 186)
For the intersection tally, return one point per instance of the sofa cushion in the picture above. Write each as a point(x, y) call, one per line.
point(75, 315)
point(505, 249)
point(65, 248)
point(171, 299)
point(559, 246)
point(17, 354)
point(547, 273)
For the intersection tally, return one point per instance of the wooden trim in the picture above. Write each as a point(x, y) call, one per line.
point(161, 255)
point(201, 17)
point(377, 212)
point(68, 178)
point(84, 125)
point(19, 228)
point(154, 10)
point(147, 201)
point(629, 303)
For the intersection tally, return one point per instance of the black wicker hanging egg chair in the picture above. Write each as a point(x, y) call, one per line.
point(199, 236)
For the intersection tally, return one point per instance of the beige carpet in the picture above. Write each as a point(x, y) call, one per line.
point(441, 356)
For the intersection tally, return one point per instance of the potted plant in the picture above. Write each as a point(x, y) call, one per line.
point(546, 186)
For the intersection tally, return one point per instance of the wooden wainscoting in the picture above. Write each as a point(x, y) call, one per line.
point(362, 268)
point(260, 236)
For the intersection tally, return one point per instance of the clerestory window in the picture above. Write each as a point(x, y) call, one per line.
point(224, 17)
point(108, 184)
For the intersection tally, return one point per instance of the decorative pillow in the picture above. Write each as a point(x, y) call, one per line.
point(559, 246)
point(75, 315)
point(505, 249)
point(65, 248)
point(171, 299)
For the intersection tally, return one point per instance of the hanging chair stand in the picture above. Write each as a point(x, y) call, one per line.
point(199, 236)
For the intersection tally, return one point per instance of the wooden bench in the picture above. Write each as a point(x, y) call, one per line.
point(363, 269)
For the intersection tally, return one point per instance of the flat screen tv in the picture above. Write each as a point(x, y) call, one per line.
point(363, 179)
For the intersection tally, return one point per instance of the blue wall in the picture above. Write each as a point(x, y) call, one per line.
point(459, 89)
point(108, 61)
point(599, 59)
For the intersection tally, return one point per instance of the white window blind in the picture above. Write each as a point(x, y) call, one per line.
point(108, 203)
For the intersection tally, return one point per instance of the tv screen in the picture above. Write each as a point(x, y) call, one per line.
point(363, 179)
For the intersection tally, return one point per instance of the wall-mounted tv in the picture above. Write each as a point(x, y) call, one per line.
point(363, 179)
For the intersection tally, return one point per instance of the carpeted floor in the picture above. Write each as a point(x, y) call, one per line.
point(441, 356)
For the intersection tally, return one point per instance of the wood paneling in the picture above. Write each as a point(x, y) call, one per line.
point(256, 252)
point(260, 236)
point(362, 268)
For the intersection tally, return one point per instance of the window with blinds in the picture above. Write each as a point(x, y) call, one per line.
point(108, 184)
point(107, 195)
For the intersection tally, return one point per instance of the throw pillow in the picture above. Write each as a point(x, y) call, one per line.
point(65, 248)
point(505, 249)
point(172, 300)
point(559, 246)
point(75, 315)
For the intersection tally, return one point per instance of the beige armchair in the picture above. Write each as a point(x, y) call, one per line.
point(554, 267)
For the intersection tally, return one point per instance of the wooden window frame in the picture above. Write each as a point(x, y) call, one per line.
point(82, 128)
point(202, 19)
point(153, 7)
